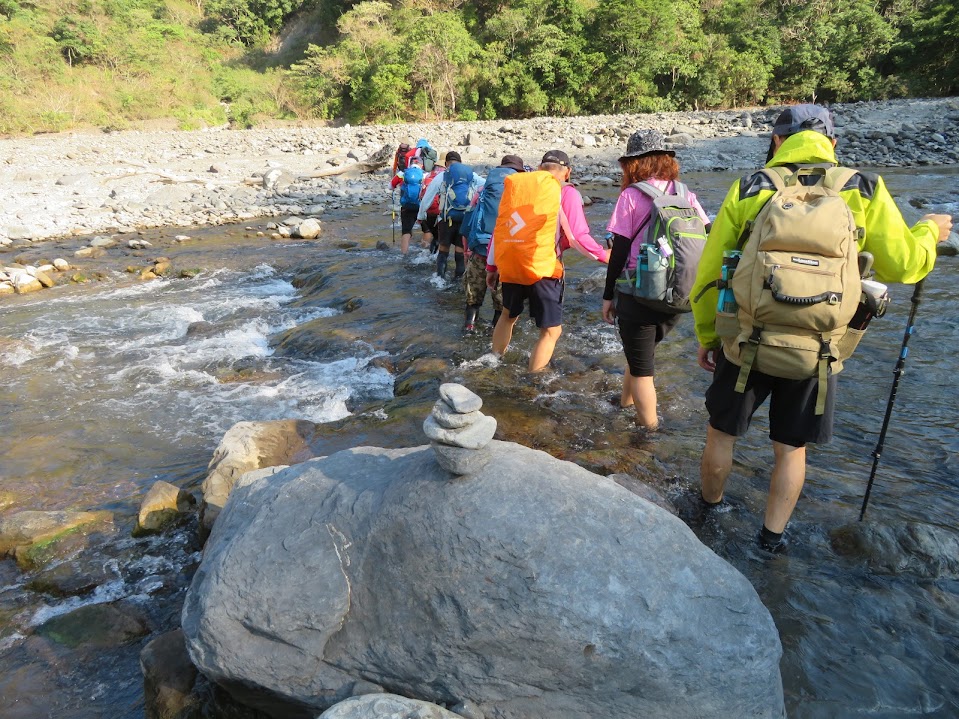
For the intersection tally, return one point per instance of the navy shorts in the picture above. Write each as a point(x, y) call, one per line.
point(429, 224)
point(408, 218)
point(545, 301)
point(792, 405)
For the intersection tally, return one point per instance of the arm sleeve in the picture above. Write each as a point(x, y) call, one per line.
point(431, 191)
point(617, 261)
point(397, 179)
point(572, 203)
point(901, 253)
point(723, 235)
point(490, 257)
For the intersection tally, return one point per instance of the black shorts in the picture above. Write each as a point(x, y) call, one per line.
point(449, 234)
point(641, 329)
point(408, 218)
point(545, 301)
point(792, 405)
point(429, 224)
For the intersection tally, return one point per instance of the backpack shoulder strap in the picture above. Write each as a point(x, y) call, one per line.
point(680, 190)
point(648, 189)
point(837, 177)
point(777, 176)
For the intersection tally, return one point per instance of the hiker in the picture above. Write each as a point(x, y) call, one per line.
point(399, 157)
point(428, 225)
point(783, 330)
point(410, 183)
point(533, 269)
point(650, 171)
point(478, 229)
point(456, 187)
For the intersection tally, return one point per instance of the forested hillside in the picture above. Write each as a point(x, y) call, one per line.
point(110, 63)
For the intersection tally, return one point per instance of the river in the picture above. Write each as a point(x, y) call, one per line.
point(108, 387)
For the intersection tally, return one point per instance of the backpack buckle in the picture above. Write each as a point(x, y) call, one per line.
point(756, 336)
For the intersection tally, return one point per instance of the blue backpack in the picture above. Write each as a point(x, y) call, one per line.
point(458, 191)
point(410, 189)
point(484, 216)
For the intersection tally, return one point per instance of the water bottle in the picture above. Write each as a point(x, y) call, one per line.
point(642, 267)
point(872, 303)
point(664, 249)
point(727, 300)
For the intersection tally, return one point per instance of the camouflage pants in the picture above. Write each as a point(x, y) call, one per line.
point(475, 283)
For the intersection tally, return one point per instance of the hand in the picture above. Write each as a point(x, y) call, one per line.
point(492, 279)
point(707, 358)
point(943, 222)
point(609, 312)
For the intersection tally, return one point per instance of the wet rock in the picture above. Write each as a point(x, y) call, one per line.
point(163, 506)
point(382, 245)
point(97, 625)
point(922, 550)
point(44, 279)
point(7, 288)
point(189, 273)
point(386, 706)
point(161, 268)
point(7, 499)
point(72, 578)
point(949, 247)
point(182, 238)
point(33, 529)
point(89, 252)
point(100, 241)
point(169, 677)
point(247, 446)
point(393, 559)
point(24, 283)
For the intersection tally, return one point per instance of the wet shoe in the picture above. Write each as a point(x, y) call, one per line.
point(776, 547)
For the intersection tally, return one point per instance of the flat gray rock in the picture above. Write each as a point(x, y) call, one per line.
point(446, 416)
point(475, 436)
point(386, 706)
point(461, 399)
point(532, 589)
point(459, 461)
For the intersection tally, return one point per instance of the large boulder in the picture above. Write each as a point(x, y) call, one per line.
point(247, 446)
point(530, 589)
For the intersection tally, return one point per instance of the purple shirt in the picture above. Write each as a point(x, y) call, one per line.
point(632, 212)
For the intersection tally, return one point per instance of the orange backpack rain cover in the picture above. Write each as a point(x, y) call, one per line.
point(524, 238)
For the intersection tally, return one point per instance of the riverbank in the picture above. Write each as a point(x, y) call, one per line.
point(75, 184)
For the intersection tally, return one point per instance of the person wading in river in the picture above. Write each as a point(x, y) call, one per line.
point(759, 331)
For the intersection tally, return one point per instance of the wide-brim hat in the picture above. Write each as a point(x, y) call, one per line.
point(646, 142)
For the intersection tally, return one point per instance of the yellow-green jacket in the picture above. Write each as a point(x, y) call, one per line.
point(901, 253)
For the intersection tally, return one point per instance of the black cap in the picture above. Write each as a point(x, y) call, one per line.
point(513, 161)
point(804, 117)
point(557, 157)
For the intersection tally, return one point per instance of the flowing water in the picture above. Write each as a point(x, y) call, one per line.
point(108, 388)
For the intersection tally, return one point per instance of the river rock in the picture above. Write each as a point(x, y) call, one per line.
point(460, 461)
point(309, 229)
point(30, 528)
point(474, 436)
point(949, 247)
point(24, 283)
point(6, 288)
point(61, 264)
point(163, 505)
point(168, 677)
point(533, 589)
point(923, 550)
point(247, 446)
point(104, 242)
point(449, 418)
point(44, 279)
point(386, 706)
point(460, 398)
point(97, 625)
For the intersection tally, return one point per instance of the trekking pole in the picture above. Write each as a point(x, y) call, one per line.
point(393, 214)
point(897, 373)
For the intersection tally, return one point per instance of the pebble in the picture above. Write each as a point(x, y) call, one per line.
point(446, 416)
point(460, 398)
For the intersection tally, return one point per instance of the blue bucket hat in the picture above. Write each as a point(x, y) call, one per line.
point(422, 142)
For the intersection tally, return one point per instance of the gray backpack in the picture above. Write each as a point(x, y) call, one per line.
point(672, 243)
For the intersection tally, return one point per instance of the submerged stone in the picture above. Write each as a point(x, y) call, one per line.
point(100, 625)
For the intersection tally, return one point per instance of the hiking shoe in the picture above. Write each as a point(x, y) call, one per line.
point(777, 547)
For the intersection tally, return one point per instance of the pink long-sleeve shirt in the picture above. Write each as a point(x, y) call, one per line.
point(571, 202)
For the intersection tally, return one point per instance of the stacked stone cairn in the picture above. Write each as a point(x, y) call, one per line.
point(458, 431)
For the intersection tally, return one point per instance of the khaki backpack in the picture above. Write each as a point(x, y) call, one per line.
point(797, 283)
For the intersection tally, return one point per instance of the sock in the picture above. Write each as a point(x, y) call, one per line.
point(769, 540)
point(441, 260)
point(460, 263)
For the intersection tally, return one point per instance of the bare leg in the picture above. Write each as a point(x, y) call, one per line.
point(643, 392)
point(405, 243)
point(543, 349)
point(626, 398)
point(716, 464)
point(503, 333)
point(785, 486)
point(427, 239)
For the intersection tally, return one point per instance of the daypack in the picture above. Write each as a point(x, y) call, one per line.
point(458, 191)
point(429, 157)
point(526, 235)
point(797, 282)
point(670, 245)
point(410, 189)
point(434, 208)
point(399, 159)
point(414, 159)
point(486, 210)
